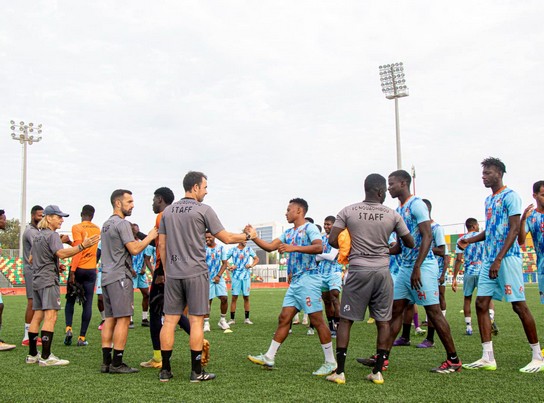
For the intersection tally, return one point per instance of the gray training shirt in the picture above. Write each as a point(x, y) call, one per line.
point(184, 223)
point(115, 257)
point(28, 236)
point(45, 263)
point(369, 226)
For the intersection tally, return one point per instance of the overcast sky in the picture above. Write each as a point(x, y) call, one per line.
point(271, 99)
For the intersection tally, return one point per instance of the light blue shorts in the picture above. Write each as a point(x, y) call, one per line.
point(241, 287)
point(540, 288)
point(508, 285)
point(428, 293)
point(470, 283)
point(140, 281)
point(304, 293)
point(1, 301)
point(98, 282)
point(218, 289)
point(331, 281)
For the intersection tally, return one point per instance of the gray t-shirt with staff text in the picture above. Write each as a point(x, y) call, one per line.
point(45, 263)
point(116, 259)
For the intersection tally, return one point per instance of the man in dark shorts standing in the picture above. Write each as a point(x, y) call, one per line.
point(182, 247)
point(118, 244)
point(36, 214)
point(368, 282)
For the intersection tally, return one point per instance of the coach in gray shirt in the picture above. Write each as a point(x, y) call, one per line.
point(368, 281)
point(182, 247)
point(118, 244)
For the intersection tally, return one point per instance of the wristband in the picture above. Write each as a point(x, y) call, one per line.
point(80, 247)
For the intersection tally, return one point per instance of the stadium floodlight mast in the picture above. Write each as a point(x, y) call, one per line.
point(394, 87)
point(24, 133)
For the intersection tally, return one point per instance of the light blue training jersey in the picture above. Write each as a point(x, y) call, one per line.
point(214, 259)
point(326, 267)
point(535, 225)
point(240, 258)
point(473, 255)
point(499, 208)
point(297, 262)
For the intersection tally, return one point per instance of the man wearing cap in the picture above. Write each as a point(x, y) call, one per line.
point(46, 251)
point(118, 247)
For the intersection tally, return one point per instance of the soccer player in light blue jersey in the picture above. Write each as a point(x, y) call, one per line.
point(140, 279)
point(243, 260)
point(216, 259)
point(417, 278)
point(331, 274)
point(532, 221)
point(301, 242)
point(501, 275)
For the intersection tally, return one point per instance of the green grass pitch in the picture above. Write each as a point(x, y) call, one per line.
point(408, 378)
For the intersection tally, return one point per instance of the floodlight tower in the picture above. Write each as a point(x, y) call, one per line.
point(20, 133)
point(394, 87)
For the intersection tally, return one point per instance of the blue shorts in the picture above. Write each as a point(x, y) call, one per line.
point(241, 287)
point(331, 281)
point(428, 293)
point(99, 283)
point(540, 288)
point(509, 283)
point(304, 293)
point(140, 281)
point(470, 283)
point(218, 289)
point(1, 301)
point(394, 276)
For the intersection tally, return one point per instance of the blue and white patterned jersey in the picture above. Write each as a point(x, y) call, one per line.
point(535, 225)
point(473, 255)
point(438, 240)
point(240, 258)
point(499, 207)
point(297, 262)
point(394, 260)
point(327, 267)
point(214, 259)
point(413, 212)
point(138, 262)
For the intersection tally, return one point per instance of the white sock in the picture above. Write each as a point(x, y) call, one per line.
point(537, 352)
point(206, 320)
point(27, 326)
point(296, 318)
point(329, 352)
point(144, 315)
point(103, 315)
point(488, 351)
point(223, 315)
point(444, 313)
point(273, 349)
point(492, 314)
point(468, 322)
point(131, 319)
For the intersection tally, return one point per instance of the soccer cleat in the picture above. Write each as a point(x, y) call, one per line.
point(371, 321)
point(447, 367)
point(482, 364)
point(468, 332)
point(165, 375)
point(145, 322)
point(26, 342)
point(533, 367)
point(376, 378)
point(105, 368)
point(420, 331)
point(205, 358)
point(494, 328)
point(68, 337)
point(82, 343)
point(248, 322)
point(122, 369)
point(101, 325)
point(231, 322)
point(340, 379)
point(261, 359)
point(151, 364)
point(207, 326)
point(425, 323)
point(52, 361)
point(401, 341)
point(33, 359)
point(296, 320)
point(425, 344)
point(326, 369)
point(203, 376)
point(223, 324)
point(131, 325)
point(310, 331)
point(371, 361)
point(5, 346)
